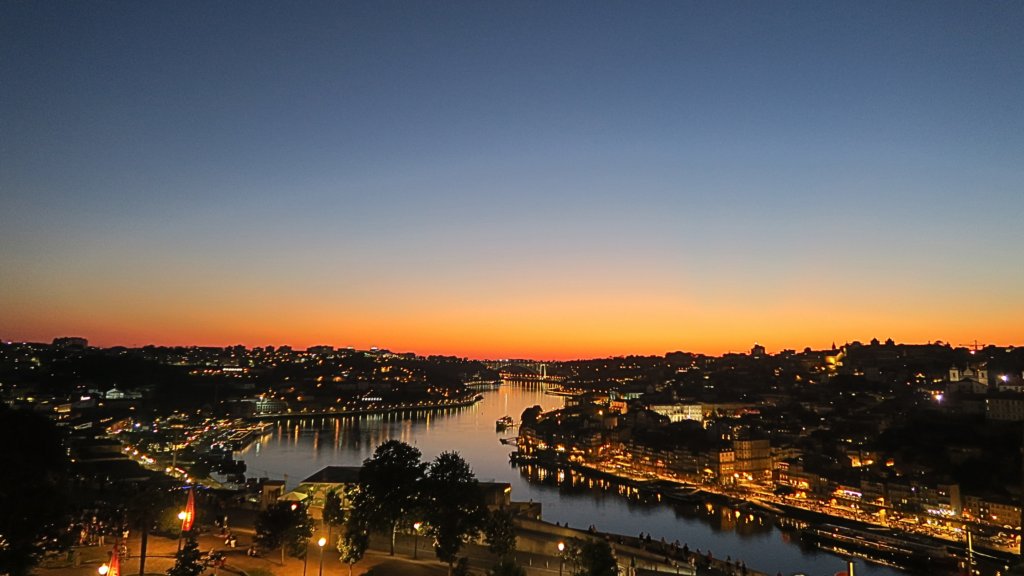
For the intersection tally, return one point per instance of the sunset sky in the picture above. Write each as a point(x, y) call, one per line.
point(512, 179)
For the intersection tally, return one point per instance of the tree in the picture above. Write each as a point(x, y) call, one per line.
point(530, 415)
point(167, 521)
point(455, 511)
point(33, 511)
point(500, 533)
point(352, 544)
point(143, 503)
point(389, 486)
point(284, 525)
point(334, 513)
point(507, 567)
point(594, 558)
point(187, 562)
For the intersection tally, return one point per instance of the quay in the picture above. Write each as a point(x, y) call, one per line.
point(376, 408)
point(536, 552)
point(916, 549)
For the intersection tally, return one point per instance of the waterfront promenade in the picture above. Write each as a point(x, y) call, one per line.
point(375, 408)
point(537, 553)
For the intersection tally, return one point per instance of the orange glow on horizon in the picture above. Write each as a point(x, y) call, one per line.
point(561, 320)
point(570, 337)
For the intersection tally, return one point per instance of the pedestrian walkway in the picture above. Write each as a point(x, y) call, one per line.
point(537, 553)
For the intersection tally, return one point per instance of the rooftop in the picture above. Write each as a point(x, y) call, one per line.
point(335, 475)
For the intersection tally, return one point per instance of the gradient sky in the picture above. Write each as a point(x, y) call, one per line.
point(493, 179)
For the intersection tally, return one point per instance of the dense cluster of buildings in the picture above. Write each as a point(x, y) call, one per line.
point(925, 435)
point(928, 435)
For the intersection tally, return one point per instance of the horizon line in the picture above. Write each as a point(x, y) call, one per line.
point(976, 345)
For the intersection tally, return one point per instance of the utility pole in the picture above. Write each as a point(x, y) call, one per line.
point(145, 541)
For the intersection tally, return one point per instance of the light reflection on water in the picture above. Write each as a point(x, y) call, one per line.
point(297, 448)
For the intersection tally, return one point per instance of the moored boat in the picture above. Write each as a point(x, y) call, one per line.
point(883, 546)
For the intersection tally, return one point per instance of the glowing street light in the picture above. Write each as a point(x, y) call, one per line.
point(415, 538)
point(104, 569)
point(181, 533)
point(321, 543)
point(561, 557)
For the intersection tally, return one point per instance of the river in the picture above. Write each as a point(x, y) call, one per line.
point(297, 448)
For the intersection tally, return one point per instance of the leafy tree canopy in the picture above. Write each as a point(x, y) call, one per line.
point(286, 526)
point(188, 561)
point(352, 544)
point(390, 486)
point(456, 509)
point(595, 558)
point(334, 514)
point(500, 532)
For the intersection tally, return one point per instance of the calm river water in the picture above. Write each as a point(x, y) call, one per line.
point(297, 448)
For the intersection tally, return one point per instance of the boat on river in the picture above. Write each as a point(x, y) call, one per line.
point(881, 545)
point(504, 423)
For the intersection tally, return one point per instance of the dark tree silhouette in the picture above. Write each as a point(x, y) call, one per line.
point(390, 486)
point(33, 489)
point(594, 558)
point(530, 415)
point(354, 541)
point(500, 533)
point(455, 509)
point(188, 560)
point(284, 525)
point(507, 567)
point(142, 505)
point(334, 514)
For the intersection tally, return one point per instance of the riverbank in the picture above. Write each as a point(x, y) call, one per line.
point(778, 510)
point(300, 451)
point(634, 554)
point(377, 408)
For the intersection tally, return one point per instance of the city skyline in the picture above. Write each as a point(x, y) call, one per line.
point(755, 348)
point(517, 180)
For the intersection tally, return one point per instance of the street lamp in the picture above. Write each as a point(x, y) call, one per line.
point(415, 538)
point(561, 557)
point(181, 533)
point(305, 557)
point(104, 569)
point(321, 543)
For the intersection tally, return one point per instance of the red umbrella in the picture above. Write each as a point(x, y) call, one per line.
point(190, 512)
point(115, 561)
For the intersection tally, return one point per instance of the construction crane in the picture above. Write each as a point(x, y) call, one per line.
point(974, 347)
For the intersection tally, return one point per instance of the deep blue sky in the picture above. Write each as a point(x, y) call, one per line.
point(629, 176)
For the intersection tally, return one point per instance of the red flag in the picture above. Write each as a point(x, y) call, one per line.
point(190, 512)
point(115, 561)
